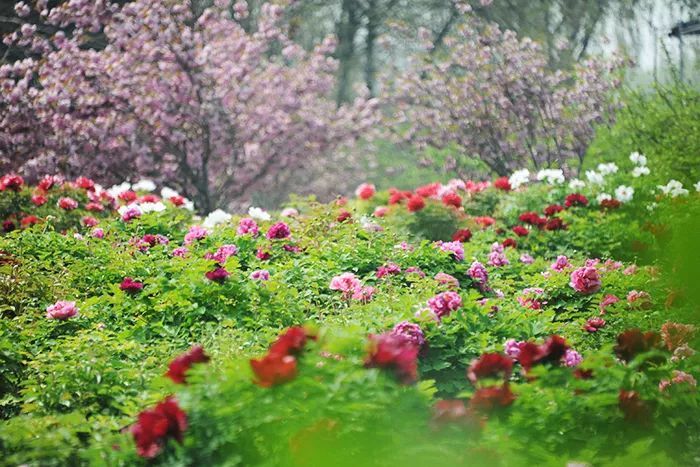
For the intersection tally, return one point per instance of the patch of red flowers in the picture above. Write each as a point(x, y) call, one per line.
point(397, 196)
point(490, 365)
point(634, 342)
point(532, 218)
point(178, 368)
point(552, 209)
point(177, 200)
point(131, 286)
point(520, 231)
point(428, 191)
point(554, 223)
point(510, 243)
point(611, 203)
point(280, 364)
point(85, 183)
point(551, 351)
point(218, 275)
point(575, 199)
point(343, 216)
point(128, 196)
point(39, 200)
point(394, 352)
point(29, 220)
point(462, 235)
point(155, 426)
point(415, 203)
point(634, 408)
point(492, 397)
point(11, 182)
point(452, 199)
point(484, 221)
point(502, 183)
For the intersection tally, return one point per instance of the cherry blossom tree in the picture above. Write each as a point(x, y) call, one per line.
point(492, 96)
point(179, 94)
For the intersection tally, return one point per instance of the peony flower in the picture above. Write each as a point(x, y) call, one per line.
point(489, 398)
point(129, 212)
point(260, 214)
point(452, 199)
point(575, 199)
point(608, 300)
point(180, 252)
point(553, 350)
point(478, 273)
point(454, 248)
point(490, 365)
point(343, 215)
point(561, 263)
point(447, 279)
point(411, 332)
point(552, 176)
point(520, 231)
point(395, 352)
point(624, 193)
point(61, 310)
point(576, 184)
point(222, 253)
point(218, 274)
point(365, 191)
point(155, 426)
point(260, 275)
point(98, 233)
point(512, 348)
point(497, 258)
point(444, 303)
point(177, 369)
point(380, 211)
point(585, 280)
point(415, 203)
point(279, 230)
point(594, 177)
point(638, 159)
point(640, 171)
point(462, 235)
point(518, 178)
point(572, 358)
point(607, 169)
point(676, 335)
point(215, 218)
point(67, 204)
point(502, 183)
point(196, 232)
point(594, 324)
point(289, 212)
point(388, 269)
point(131, 286)
point(39, 200)
point(247, 226)
point(632, 342)
point(526, 259)
point(11, 182)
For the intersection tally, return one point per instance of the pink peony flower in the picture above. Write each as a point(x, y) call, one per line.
point(560, 264)
point(365, 191)
point(572, 358)
point(289, 212)
point(260, 275)
point(526, 259)
point(98, 233)
point(130, 212)
point(223, 253)
point(247, 226)
point(196, 232)
point(346, 282)
point(512, 348)
point(593, 324)
point(447, 279)
point(387, 270)
point(606, 302)
point(529, 298)
point(61, 310)
point(380, 211)
point(219, 275)
point(455, 248)
point(363, 294)
point(444, 303)
point(180, 252)
point(67, 204)
point(639, 300)
point(131, 286)
point(279, 230)
point(478, 273)
point(411, 332)
point(585, 280)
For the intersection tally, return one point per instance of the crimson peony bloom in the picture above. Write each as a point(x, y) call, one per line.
point(181, 364)
point(8, 225)
point(490, 398)
point(510, 243)
point(502, 183)
point(131, 286)
point(155, 426)
point(429, 191)
point(490, 365)
point(462, 235)
point(39, 200)
point(218, 275)
point(552, 351)
point(29, 220)
point(575, 199)
point(291, 342)
point(633, 342)
point(593, 324)
point(128, 196)
point(585, 280)
point(452, 199)
point(262, 254)
point(396, 352)
point(67, 203)
point(552, 209)
point(177, 200)
point(279, 230)
point(555, 223)
point(94, 207)
point(85, 183)
point(89, 221)
point(634, 408)
point(48, 182)
point(532, 218)
point(274, 369)
point(415, 203)
point(11, 182)
point(396, 196)
point(520, 231)
point(343, 216)
point(485, 221)
point(365, 191)
point(611, 203)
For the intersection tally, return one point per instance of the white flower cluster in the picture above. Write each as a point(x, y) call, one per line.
point(552, 176)
point(607, 169)
point(594, 177)
point(673, 188)
point(258, 213)
point(624, 193)
point(215, 218)
point(144, 185)
point(117, 190)
point(576, 184)
point(519, 178)
point(640, 161)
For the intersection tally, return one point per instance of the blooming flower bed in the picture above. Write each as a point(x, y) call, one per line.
point(531, 319)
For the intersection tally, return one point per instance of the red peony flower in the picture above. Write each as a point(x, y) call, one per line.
point(155, 426)
point(181, 364)
point(29, 220)
point(633, 342)
point(552, 209)
point(8, 225)
point(428, 191)
point(611, 203)
point(365, 191)
point(39, 200)
point(394, 352)
point(218, 275)
point(462, 235)
point(48, 182)
point(396, 196)
point(593, 324)
point(262, 254)
point(520, 231)
point(67, 203)
point(532, 218)
point(485, 221)
point(89, 221)
point(177, 200)
point(490, 365)
point(502, 183)
point(94, 207)
point(131, 286)
point(291, 342)
point(85, 183)
point(343, 216)
point(575, 199)
point(342, 201)
point(510, 243)
point(554, 223)
point(149, 198)
point(128, 196)
point(11, 182)
point(490, 398)
point(452, 199)
point(551, 351)
point(415, 203)
point(274, 369)
point(278, 231)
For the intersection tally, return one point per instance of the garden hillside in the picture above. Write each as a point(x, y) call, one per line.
point(526, 320)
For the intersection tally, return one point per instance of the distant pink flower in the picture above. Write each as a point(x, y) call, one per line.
point(39, 200)
point(380, 211)
point(61, 310)
point(89, 221)
point(606, 302)
point(455, 248)
point(98, 233)
point(223, 253)
point(415, 270)
point(278, 231)
point(585, 280)
point(180, 252)
point(363, 294)
point(410, 331)
point(247, 226)
point(196, 232)
point(560, 264)
point(572, 358)
point(67, 204)
point(388, 269)
point(131, 286)
point(130, 212)
point(346, 282)
point(447, 279)
point(594, 324)
point(260, 275)
point(444, 303)
point(219, 275)
point(529, 298)
point(365, 191)
point(639, 300)
point(289, 212)
point(478, 273)
point(629, 270)
point(526, 259)
point(262, 254)
point(512, 348)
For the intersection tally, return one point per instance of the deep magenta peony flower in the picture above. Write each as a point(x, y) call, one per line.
point(444, 303)
point(218, 275)
point(247, 226)
point(155, 426)
point(585, 280)
point(67, 204)
point(278, 231)
point(131, 286)
point(410, 331)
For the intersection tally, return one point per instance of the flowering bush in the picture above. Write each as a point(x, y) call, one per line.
point(350, 339)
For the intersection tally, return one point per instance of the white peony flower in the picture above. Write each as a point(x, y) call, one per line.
point(117, 190)
point(638, 159)
point(152, 207)
point(260, 214)
point(576, 184)
point(144, 185)
point(167, 193)
point(189, 205)
point(607, 169)
point(215, 218)
point(673, 188)
point(624, 193)
point(594, 177)
point(552, 176)
point(697, 186)
point(639, 171)
point(519, 177)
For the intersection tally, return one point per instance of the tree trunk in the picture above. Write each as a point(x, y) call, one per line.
point(373, 21)
point(347, 27)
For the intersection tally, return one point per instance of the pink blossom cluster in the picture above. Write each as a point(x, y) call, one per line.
point(351, 287)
